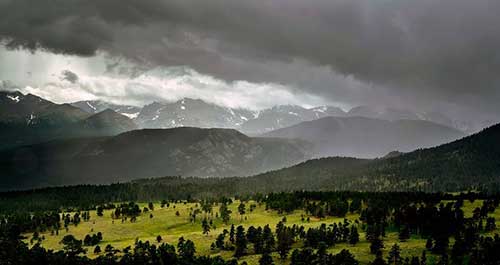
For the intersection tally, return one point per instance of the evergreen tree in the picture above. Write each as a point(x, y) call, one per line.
point(268, 239)
point(284, 237)
point(232, 232)
point(376, 244)
point(225, 213)
point(266, 259)
point(394, 257)
point(205, 226)
point(240, 242)
point(219, 242)
point(241, 210)
point(72, 246)
point(490, 224)
point(97, 250)
point(186, 249)
point(100, 211)
point(404, 233)
point(379, 260)
point(354, 236)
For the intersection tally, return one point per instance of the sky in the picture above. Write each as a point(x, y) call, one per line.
point(426, 55)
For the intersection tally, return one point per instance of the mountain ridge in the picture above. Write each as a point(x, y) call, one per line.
point(143, 153)
point(471, 162)
point(367, 137)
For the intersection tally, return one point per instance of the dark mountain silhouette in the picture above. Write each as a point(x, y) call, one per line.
point(28, 119)
point(147, 153)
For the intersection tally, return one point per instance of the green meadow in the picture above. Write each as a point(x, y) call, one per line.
point(171, 227)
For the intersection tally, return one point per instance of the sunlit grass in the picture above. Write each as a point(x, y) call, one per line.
point(170, 227)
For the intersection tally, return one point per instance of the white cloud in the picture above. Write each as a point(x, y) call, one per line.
point(170, 84)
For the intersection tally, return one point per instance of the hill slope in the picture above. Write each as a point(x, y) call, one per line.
point(366, 137)
point(146, 153)
point(471, 162)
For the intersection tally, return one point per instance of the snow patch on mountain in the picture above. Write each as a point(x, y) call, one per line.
point(13, 98)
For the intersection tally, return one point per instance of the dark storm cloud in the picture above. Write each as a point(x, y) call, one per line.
point(407, 50)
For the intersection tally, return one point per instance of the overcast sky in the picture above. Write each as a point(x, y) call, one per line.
point(417, 54)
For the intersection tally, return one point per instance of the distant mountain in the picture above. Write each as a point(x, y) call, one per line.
point(96, 106)
point(366, 137)
point(389, 114)
point(469, 163)
point(28, 119)
point(147, 153)
point(107, 122)
point(193, 113)
point(198, 113)
point(29, 109)
point(468, 123)
point(286, 115)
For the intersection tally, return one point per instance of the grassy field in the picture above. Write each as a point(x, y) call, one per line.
point(170, 227)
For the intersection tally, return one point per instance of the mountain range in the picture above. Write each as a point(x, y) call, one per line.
point(472, 162)
point(367, 137)
point(96, 106)
point(28, 119)
point(198, 113)
point(147, 153)
point(57, 144)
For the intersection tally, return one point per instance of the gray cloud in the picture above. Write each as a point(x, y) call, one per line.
point(402, 51)
point(69, 76)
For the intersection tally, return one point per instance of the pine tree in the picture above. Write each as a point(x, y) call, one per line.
point(266, 259)
point(241, 210)
point(268, 239)
point(225, 213)
point(219, 242)
point(205, 226)
point(376, 244)
point(285, 240)
point(354, 236)
point(404, 233)
point(232, 233)
point(240, 242)
point(379, 260)
point(97, 250)
point(394, 257)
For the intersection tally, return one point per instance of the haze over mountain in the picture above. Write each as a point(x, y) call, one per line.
point(147, 153)
point(468, 163)
point(198, 113)
point(367, 137)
